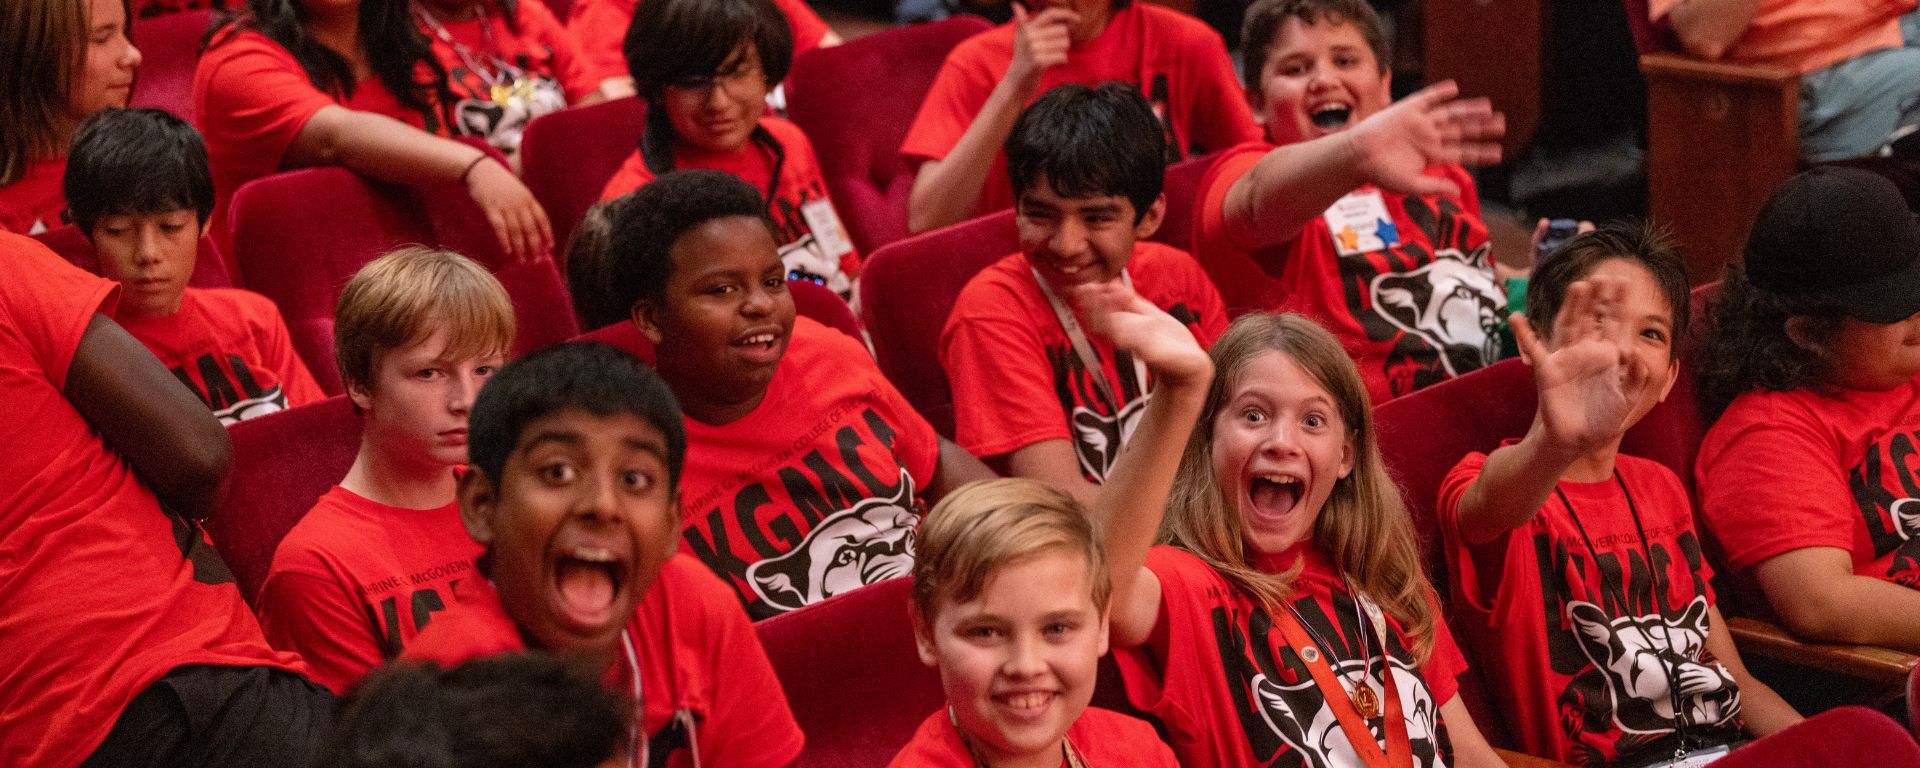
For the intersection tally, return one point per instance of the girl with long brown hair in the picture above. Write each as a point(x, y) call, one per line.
point(66, 59)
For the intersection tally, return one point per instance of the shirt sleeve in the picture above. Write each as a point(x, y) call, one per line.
point(1225, 120)
point(1232, 270)
point(1446, 664)
point(1478, 571)
point(1003, 396)
point(632, 175)
point(255, 99)
point(1769, 484)
point(918, 446)
point(321, 620)
point(276, 345)
point(1204, 299)
point(569, 62)
point(808, 28)
point(959, 91)
point(48, 303)
point(1157, 674)
point(748, 723)
point(600, 28)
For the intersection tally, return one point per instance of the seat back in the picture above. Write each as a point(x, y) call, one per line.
point(811, 300)
point(1837, 738)
point(907, 289)
point(282, 463)
point(301, 261)
point(169, 48)
point(1183, 201)
point(855, 102)
point(1648, 37)
point(566, 158)
point(209, 269)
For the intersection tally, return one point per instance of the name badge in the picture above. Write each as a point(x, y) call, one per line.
point(827, 229)
point(1359, 223)
point(1696, 758)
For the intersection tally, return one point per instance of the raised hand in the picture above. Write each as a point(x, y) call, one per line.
point(517, 219)
point(1113, 311)
point(1586, 381)
point(1396, 145)
point(1039, 41)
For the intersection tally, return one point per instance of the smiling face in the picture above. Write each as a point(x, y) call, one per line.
point(577, 525)
point(726, 317)
point(417, 404)
point(151, 256)
point(1018, 662)
point(1279, 448)
point(1076, 240)
point(1319, 79)
point(1650, 324)
point(719, 113)
point(105, 78)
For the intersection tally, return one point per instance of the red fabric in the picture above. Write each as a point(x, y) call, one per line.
point(231, 347)
point(147, 8)
point(828, 466)
point(1582, 678)
point(1809, 34)
point(355, 580)
point(100, 598)
point(1179, 63)
point(1369, 300)
point(601, 28)
point(282, 464)
point(1786, 470)
point(566, 157)
point(697, 652)
point(533, 41)
point(169, 47)
point(1837, 738)
point(1102, 739)
point(1203, 659)
point(1005, 353)
point(35, 202)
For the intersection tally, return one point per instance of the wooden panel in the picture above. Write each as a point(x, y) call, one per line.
point(1493, 48)
point(1757, 638)
point(1523, 760)
point(1720, 138)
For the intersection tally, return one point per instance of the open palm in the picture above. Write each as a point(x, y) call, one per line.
point(1396, 145)
point(1585, 379)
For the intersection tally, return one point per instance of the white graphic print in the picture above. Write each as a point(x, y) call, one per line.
point(1299, 715)
point(1906, 518)
point(274, 400)
point(806, 259)
point(1453, 303)
point(1097, 439)
point(1638, 655)
point(870, 542)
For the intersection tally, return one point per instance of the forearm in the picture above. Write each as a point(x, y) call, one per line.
point(1512, 486)
point(957, 468)
point(1850, 609)
point(946, 191)
point(1470, 748)
point(1707, 28)
point(1763, 710)
point(1288, 188)
point(381, 147)
point(1134, 498)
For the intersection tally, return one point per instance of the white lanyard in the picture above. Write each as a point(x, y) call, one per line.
point(637, 745)
point(1084, 348)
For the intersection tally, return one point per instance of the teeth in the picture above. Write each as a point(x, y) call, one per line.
point(1277, 478)
point(1027, 700)
point(759, 338)
point(593, 555)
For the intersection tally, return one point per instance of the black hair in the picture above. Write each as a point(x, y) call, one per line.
point(1748, 348)
point(396, 49)
point(588, 376)
point(1640, 242)
point(677, 41)
point(1090, 142)
point(1265, 17)
point(505, 711)
point(639, 256)
point(588, 276)
point(136, 161)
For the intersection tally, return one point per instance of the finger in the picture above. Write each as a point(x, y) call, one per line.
point(1431, 95)
point(1478, 153)
point(1576, 314)
point(1020, 14)
point(529, 237)
point(1531, 350)
point(544, 227)
point(1427, 186)
point(1057, 16)
point(501, 231)
point(1584, 226)
point(1539, 232)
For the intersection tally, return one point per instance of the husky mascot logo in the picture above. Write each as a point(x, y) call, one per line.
point(1097, 439)
point(1905, 567)
point(871, 542)
point(1299, 715)
point(1637, 654)
point(1452, 303)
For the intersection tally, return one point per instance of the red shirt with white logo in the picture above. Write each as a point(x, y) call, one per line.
point(1102, 738)
point(601, 28)
point(33, 203)
point(232, 349)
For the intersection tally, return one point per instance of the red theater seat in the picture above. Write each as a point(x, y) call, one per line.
point(169, 47)
point(1183, 201)
point(568, 156)
point(209, 269)
point(282, 463)
point(1838, 738)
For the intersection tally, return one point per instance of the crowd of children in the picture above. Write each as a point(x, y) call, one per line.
point(560, 559)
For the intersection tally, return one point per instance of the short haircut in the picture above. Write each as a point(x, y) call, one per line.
point(1635, 241)
point(587, 376)
point(1090, 142)
point(639, 250)
point(1265, 18)
point(672, 41)
point(397, 300)
point(983, 527)
point(136, 161)
point(505, 711)
point(587, 262)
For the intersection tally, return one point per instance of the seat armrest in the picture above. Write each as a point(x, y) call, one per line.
point(1758, 638)
point(1681, 65)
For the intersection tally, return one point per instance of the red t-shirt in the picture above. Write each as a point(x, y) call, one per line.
point(1233, 692)
point(356, 580)
point(1414, 300)
point(1580, 677)
point(1005, 352)
point(33, 203)
point(536, 65)
point(1102, 738)
point(1179, 63)
point(601, 28)
point(815, 492)
point(827, 257)
point(232, 349)
point(104, 590)
point(698, 654)
point(1786, 470)
point(148, 8)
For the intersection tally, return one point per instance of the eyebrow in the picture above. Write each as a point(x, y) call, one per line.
point(562, 437)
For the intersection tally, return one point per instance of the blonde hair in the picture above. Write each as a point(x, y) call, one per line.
point(395, 301)
point(46, 43)
point(985, 526)
point(1364, 527)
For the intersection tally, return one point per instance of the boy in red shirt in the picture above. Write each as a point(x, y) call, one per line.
point(577, 454)
point(1087, 170)
point(1178, 62)
point(1577, 568)
point(806, 469)
point(416, 334)
point(1351, 212)
point(137, 184)
point(601, 27)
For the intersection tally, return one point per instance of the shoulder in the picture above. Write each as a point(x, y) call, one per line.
point(1160, 259)
point(984, 50)
point(1111, 738)
point(1232, 163)
point(1176, 566)
point(535, 18)
point(691, 611)
point(985, 292)
point(819, 348)
point(235, 301)
point(786, 132)
point(935, 744)
point(1770, 412)
point(233, 43)
point(334, 521)
point(478, 626)
point(1183, 29)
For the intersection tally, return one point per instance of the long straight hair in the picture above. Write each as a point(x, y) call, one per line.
point(398, 51)
point(45, 42)
point(1364, 527)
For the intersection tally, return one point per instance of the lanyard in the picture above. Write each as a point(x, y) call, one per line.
point(1084, 348)
point(637, 747)
point(1399, 752)
point(493, 80)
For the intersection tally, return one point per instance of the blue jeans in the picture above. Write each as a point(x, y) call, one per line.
point(1851, 108)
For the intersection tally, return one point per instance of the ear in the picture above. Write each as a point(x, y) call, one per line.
point(1106, 625)
point(1150, 221)
point(923, 638)
point(1673, 375)
point(1386, 81)
point(644, 315)
point(479, 500)
point(360, 394)
point(1346, 457)
point(1257, 100)
point(1800, 332)
point(205, 226)
point(672, 542)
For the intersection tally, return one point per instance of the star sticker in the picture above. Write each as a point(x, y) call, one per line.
point(1387, 232)
point(1349, 239)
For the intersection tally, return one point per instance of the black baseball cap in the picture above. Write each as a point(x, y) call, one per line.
point(1839, 235)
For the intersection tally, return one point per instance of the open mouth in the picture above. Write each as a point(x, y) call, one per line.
point(1026, 704)
point(761, 346)
point(587, 582)
point(1331, 116)
point(1274, 495)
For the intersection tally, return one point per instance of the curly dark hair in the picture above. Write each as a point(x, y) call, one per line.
point(1748, 347)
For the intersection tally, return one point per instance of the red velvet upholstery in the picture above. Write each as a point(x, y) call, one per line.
point(1837, 738)
point(1183, 201)
point(169, 47)
point(566, 158)
point(855, 102)
point(1913, 700)
point(907, 289)
point(209, 269)
point(282, 463)
point(301, 261)
point(811, 300)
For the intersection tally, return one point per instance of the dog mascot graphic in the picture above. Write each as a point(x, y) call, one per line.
point(1453, 304)
point(1905, 567)
point(1299, 715)
point(868, 543)
point(1641, 656)
point(1097, 439)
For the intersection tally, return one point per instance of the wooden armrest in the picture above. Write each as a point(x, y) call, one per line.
point(1880, 665)
point(1681, 65)
point(1523, 760)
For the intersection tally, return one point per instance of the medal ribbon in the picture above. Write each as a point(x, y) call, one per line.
point(1399, 753)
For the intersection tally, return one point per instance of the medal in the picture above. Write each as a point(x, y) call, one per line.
point(1365, 700)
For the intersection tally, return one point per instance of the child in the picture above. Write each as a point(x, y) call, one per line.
point(1290, 615)
point(806, 469)
point(704, 67)
point(577, 453)
point(66, 59)
point(1813, 370)
point(1087, 169)
point(587, 279)
point(138, 187)
point(1177, 61)
point(1540, 532)
point(601, 27)
point(1373, 232)
point(416, 334)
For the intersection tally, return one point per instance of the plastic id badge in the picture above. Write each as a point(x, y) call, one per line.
point(1696, 759)
point(1359, 223)
point(827, 229)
